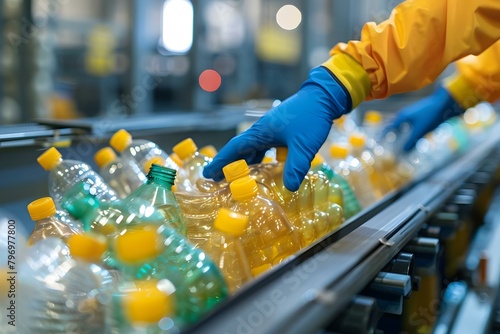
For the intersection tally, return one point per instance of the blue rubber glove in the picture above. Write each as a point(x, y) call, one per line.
point(301, 123)
point(426, 115)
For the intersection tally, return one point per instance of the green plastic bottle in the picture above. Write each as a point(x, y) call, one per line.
point(157, 192)
point(147, 251)
point(351, 204)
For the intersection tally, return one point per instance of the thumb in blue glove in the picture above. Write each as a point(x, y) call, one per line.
point(426, 115)
point(301, 123)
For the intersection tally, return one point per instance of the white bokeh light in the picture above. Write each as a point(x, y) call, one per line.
point(288, 17)
point(177, 33)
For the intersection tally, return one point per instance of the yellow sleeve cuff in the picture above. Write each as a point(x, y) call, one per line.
point(462, 91)
point(352, 75)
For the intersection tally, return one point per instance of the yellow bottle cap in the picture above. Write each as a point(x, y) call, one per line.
point(104, 156)
point(157, 160)
point(236, 170)
point(50, 158)
point(318, 160)
point(87, 247)
point(357, 140)
point(138, 245)
point(230, 222)
point(174, 188)
point(281, 153)
point(147, 304)
point(267, 160)
point(42, 208)
point(243, 188)
point(257, 271)
point(338, 151)
point(185, 148)
point(373, 117)
point(208, 151)
point(120, 140)
point(176, 159)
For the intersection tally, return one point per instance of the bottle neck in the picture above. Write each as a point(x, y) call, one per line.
point(161, 176)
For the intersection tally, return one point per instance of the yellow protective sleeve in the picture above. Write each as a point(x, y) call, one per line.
point(421, 37)
point(477, 78)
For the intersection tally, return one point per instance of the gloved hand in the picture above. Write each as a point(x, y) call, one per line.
point(301, 123)
point(425, 115)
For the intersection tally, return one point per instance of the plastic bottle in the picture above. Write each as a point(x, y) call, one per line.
point(352, 171)
point(63, 174)
point(157, 192)
point(121, 176)
point(269, 238)
point(144, 307)
point(371, 166)
point(42, 212)
point(372, 128)
point(61, 294)
point(146, 248)
point(139, 151)
point(192, 164)
point(351, 204)
point(226, 250)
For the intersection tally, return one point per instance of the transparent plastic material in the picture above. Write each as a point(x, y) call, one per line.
point(157, 192)
point(352, 170)
point(124, 177)
point(140, 151)
point(158, 252)
point(191, 170)
point(269, 238)
point(50, 227)
point(351, 204)
point(58, 294)
point(70, 172)
point(226, 249)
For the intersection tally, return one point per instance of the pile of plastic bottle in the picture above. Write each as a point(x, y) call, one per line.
point(148, 245)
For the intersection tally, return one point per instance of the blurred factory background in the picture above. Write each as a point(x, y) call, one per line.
point(66, 59)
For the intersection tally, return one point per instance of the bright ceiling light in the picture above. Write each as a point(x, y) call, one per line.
point(177, 34)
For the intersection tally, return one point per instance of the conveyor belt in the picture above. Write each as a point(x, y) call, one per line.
point(309, 290)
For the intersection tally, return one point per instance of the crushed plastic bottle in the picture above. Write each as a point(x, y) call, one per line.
point(63, 174)
point(42, 212)
point(123, 177)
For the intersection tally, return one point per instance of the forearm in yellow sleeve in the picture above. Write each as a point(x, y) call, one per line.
point(477, 78)
point(421, 37)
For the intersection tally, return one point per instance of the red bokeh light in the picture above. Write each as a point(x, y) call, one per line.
point(210, 80)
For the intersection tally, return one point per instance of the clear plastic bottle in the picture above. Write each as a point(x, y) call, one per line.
point(121, 176)
point(351, 204)
point(61, 294)
point(351, 169)
point(269, 238)
point(42, 212)
point(157, 192)
point(192, 165)
point(146, 248)
point(144, 307)
point(371, 166)
point(226, 250)
point(63, 174)
point(139, 151)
